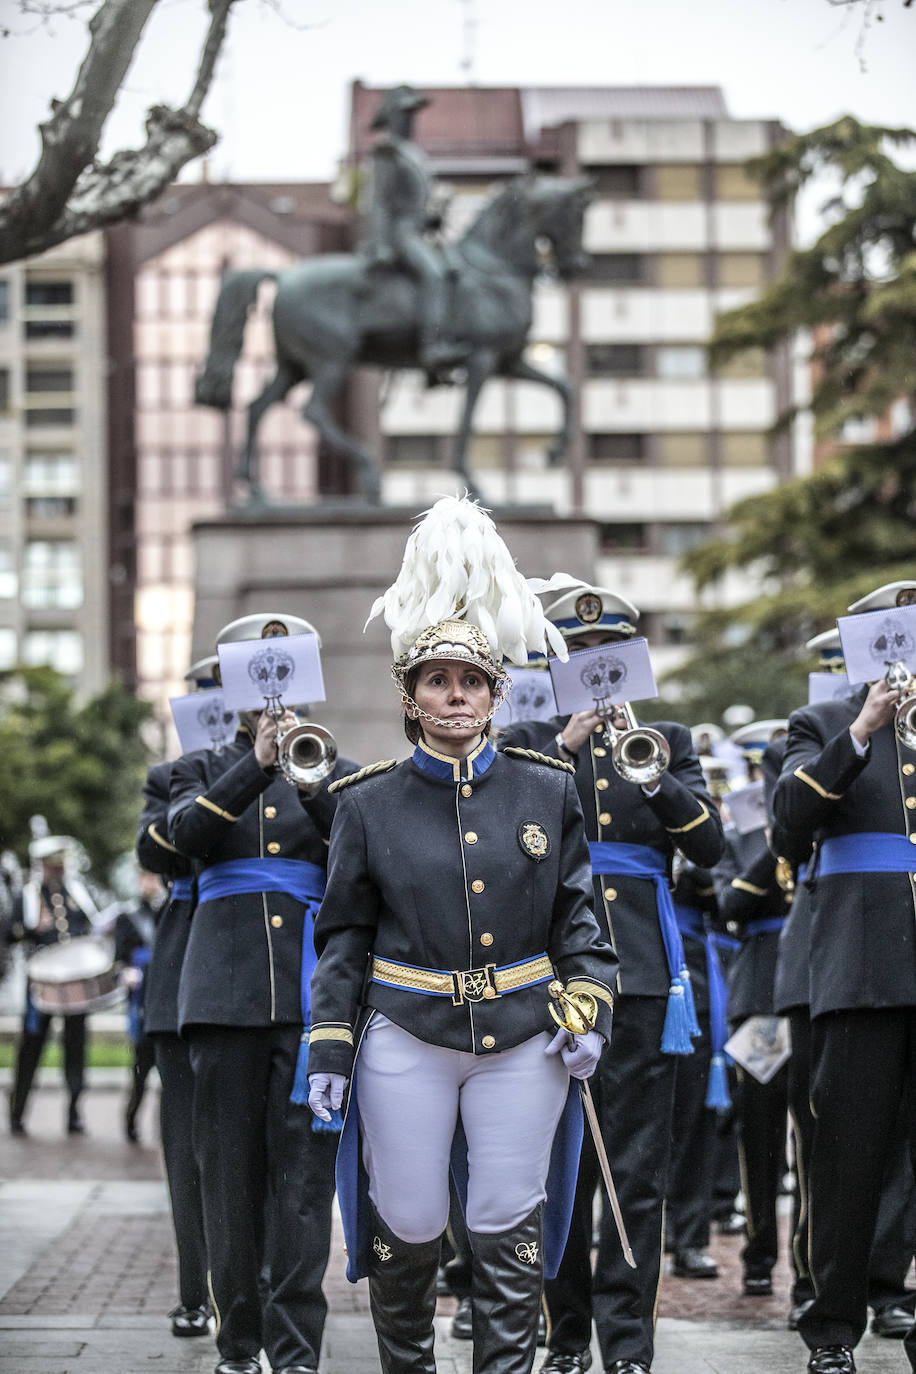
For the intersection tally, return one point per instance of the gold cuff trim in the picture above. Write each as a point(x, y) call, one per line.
point(330, 1033)
point(154, 835)
point(596, 990)
point(821, 791)
point(218, 810)
point(682, 829)
point(742, 886)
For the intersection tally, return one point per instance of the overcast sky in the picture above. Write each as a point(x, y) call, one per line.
point(280, 102)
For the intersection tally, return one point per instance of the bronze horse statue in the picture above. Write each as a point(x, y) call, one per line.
point(335, 312)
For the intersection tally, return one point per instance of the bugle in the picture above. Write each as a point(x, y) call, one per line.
point(638, 753)
point(306, 753)
point(899, 678)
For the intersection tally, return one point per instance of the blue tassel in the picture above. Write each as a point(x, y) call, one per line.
point(300, 1092)
point(717, 1094)
point(692, 1021)
point(676, 1033)
point(332, 1127)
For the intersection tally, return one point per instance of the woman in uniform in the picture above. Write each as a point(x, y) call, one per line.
point(458, 909)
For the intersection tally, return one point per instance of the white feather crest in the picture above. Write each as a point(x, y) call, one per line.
point(457, 566)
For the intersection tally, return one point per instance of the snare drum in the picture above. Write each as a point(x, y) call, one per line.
point(74, 976)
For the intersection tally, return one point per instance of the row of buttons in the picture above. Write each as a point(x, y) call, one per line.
point(478, 885)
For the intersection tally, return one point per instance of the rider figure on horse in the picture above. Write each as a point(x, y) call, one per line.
point(400, 218)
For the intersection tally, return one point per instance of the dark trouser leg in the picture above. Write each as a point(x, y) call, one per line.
point(31, 1044)
point(301, 1190)
point(762, 1154)
point(798, 1088)
point(857, 1057)
point(231, 1071)
point(693, 1149)
point(727, 1175)
point(402, 1298)
point(144, 1058)
point(508, 1276)
point(569, 1295)
point(895, 1227)
point(637, 1096)
point(74, 1038)
point(176, 1107)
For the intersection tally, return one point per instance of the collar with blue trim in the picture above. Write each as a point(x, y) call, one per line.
point(454, 770)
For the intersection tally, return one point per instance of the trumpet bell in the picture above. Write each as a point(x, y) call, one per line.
point(905, 722)
point(306, 754)
point(641, 755)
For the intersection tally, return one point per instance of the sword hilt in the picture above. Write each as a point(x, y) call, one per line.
point(576, 1012)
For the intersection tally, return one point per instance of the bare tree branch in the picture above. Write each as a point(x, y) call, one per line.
point(69, 192)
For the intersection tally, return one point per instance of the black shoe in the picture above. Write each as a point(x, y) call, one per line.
point(462, 1322)
point(694, 1263)
point(75, 1123)
point(796, 1312)
point(247, 1366)
point(732, 1225)
point(190, 1321)
point(627, 1367)
point(892, 1322)
point(16, 1126)
point(130, 1129)
point(542, 1327)
point(831, 1359)
point(757, 1286)
point(296, 1369)
point(558, 1362)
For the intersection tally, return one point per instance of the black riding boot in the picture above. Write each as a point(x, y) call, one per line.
point(402, 1298)
point(28, 1055)
point(506, 1296)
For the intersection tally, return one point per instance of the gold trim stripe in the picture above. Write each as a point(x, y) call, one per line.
point(594, 989)
point(154, 835)
point(218, 810)
point(821, 791)
point(330, 1033)
point(682, 829)
point(428, 980)
point(742, 886)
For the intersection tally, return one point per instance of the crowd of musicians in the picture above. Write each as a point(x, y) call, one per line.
point(424, 929)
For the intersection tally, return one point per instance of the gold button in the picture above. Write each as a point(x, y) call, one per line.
point(486, 938)
point(599, 729)
point(489, 994)
point(471, 836)
point(610, 894)
point(910, 803)
point(467, 790)
point(488, 1042)
point(276, 922)
point(273, 847)
point(599, 752)
point(604, 818)
point(602, 784)
point(909, 769)
point(270, 812)
point(477, 885)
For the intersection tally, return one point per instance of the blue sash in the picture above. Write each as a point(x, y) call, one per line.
point(182, 889)
point(690, 923)
point(873, 851)
point(764, 925)
point(641, 861)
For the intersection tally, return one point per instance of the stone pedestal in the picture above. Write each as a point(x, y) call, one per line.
point(328, 564)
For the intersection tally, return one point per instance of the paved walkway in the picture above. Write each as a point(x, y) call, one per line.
point(87, 1270)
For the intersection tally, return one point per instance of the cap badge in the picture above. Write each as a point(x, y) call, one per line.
point(534, 840)
point(589, 608)
point(274, 629)
point(906, 596)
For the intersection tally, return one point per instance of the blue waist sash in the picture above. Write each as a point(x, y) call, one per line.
point(297, 878)
point(642, 861)
point(764, 925)
point(182, 889)
point(690, 921)
point(873, 851)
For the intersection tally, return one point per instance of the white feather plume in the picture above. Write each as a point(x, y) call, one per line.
point(457, 566)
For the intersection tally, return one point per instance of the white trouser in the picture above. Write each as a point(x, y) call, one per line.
point(410, 1096)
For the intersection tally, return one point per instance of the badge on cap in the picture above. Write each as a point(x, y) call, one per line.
point(534, 840)
point(274, 629)
point(906, 597)
point(589, 608)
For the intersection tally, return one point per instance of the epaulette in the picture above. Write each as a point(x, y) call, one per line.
point(535, 757)
point(383, 766)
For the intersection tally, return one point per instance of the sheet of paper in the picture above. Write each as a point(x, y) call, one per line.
point(873, 640)
point(761, 1046)
point(530, 697)
point(203, 720)
point(607, 675)
point(827, 687)
point(747, 807)
point(258, 672)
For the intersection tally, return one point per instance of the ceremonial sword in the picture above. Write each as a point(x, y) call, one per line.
point(581, 1011)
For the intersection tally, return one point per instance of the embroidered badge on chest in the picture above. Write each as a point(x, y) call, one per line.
point(534, 840)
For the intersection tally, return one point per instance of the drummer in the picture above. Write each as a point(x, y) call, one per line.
point(53, 907)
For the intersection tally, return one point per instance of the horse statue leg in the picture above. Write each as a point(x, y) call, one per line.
point(328, 381)
point(521, 371)
point(283, 380)
point(480, 365)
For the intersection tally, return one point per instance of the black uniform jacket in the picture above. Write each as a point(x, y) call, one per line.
point(863, 925)
point(695, 888)
point(243, 959)
point(790, 983)
point(454, 874)
point(681, 815)
point(173, 926)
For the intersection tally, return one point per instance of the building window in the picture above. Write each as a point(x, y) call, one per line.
point(49, 308)
point(9, 583)
point(7, 648)
point(48, 292)
point(60, 649)
point(44, 379)
point(51, 473)
point(4, 389)
point(4, 301)
point(681, 363)
point(733, 183)
point(50, 507)
point(677, 181)
point(616, 267)
point(614, 360)
point(52, 574)
point(55, 385)
point(677, 537)
point(745, 448)
point(413, 450)
point(616, 448)
point(622, 182)
point(623, 538)
point(682, 450)
point(6, 477)
point(742, 269)
point(679, 270)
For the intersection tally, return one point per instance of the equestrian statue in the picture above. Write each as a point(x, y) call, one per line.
point(403, 301)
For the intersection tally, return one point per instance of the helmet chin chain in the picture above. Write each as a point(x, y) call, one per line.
point(419, 714)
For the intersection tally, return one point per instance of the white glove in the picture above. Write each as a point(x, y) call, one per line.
point(580, 1053)
point(326, 1091)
